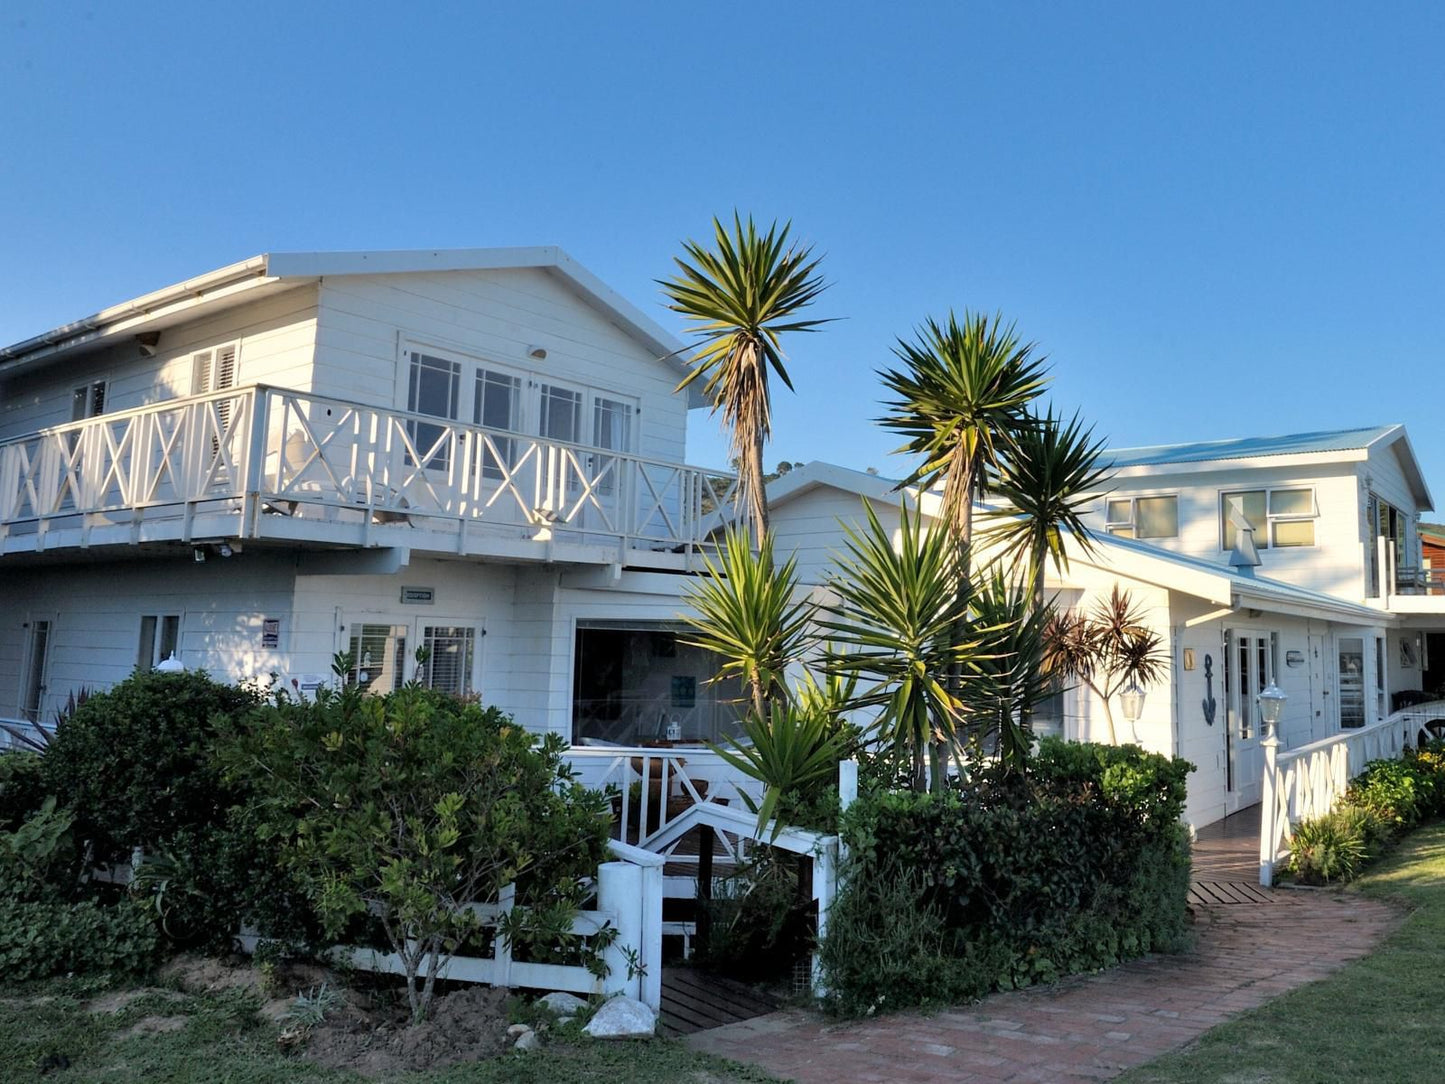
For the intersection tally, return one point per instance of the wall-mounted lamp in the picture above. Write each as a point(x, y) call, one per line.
point(537, 352)
point(172, 665)
point(199, 554)
point(149, 342)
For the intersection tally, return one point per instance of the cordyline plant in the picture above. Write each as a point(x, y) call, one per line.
point(410, 807)
point(1106, 648)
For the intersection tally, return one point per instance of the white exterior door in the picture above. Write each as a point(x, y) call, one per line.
point(37, 667)
point(1322, 722)
point(1350, 682)
point(1248, 668)
point(388, 650)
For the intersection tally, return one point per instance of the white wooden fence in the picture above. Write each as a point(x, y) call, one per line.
point(261, 451)
point(1307, 782)
point(628, 899)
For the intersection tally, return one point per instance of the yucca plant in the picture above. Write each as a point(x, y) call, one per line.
point(793, 753)
point(741, 297)
point(749, 613)
point(1332, 847)
point(894, 628)
point(1048, 474)
point(1009, 672)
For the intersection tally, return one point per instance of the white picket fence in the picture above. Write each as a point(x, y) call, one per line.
point(1303, 783)
point(628, 899)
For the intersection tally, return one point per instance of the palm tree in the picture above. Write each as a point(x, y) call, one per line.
point(1050, 473)
point(961, 396)
point(1010, 671)
point(741, 297)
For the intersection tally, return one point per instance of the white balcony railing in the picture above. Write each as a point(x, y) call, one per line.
point(269, 454)
point(1307, 782)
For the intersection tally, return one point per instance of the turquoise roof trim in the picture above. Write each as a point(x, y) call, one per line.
point(1336, 440)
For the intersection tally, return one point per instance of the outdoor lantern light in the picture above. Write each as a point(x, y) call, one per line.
point(1132, 700)
point(172, 665)
point(1271, 703)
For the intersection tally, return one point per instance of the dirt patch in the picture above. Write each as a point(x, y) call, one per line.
point(207, 975)
point(155, 1025)
point(120, 999)
point(467, 1025)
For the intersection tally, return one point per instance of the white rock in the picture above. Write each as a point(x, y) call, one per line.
point(527, 1041)
point(518, 1029)
point(622, 1018)
point(563, 1004)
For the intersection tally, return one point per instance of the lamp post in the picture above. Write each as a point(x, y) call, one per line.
point(1271, 703)
point(1131, 699)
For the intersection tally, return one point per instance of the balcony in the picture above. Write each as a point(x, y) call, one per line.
point(269, 464)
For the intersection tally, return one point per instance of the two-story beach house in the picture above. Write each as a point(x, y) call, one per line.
point(1294, 559)
point(478, 454)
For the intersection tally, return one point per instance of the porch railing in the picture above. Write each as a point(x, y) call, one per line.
point(262, 451)
point(1307, 782)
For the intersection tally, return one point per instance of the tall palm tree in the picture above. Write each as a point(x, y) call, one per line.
point(962, 394)
point(741, 297)
point(1050, 473)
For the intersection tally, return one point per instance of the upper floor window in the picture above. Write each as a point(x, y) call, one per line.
point(213, 370)
point(159, 636)
point(87, 401)
point(1143, 517)
point(1280, 517)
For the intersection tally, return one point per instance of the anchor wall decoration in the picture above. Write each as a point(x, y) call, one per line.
point(1209, 704)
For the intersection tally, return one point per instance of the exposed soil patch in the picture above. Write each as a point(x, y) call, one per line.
point(120, 999)
point(155, 1025)
point(467, 1025)
point(207, 975)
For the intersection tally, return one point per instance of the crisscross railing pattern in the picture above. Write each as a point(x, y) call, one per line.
point(276, 451)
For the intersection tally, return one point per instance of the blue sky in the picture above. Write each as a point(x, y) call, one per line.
point(1217, 220)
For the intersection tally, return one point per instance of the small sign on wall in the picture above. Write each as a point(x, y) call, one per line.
point(418, 596)
point(270, 632)
point(1189, 658)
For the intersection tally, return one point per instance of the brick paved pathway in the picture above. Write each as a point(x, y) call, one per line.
point(1086, 1028)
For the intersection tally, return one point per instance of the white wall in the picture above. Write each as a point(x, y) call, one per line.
point(275, 336)
point(807, 527)
point(1333, 564)
point(495, 316)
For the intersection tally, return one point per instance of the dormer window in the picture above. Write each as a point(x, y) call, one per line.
point(1143, 517)
point(1282, 518)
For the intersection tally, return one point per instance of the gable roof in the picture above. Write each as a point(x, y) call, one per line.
point(273, 271)
point(1330, 445)
point(816, 474)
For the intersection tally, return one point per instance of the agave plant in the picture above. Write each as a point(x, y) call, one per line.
point(748, 612)
point(741, 297)
point(894, 627)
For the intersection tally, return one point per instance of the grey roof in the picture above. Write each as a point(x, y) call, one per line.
point(1333, 440)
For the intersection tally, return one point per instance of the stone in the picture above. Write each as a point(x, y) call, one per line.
point(528, 1041)
point(622, 1018)
point(563, 1004)
point(517, 1030)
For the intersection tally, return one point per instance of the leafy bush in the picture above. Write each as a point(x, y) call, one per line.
point(22, 786)
point(1392, 790)
point(1076, 866)
point(1333, 847)
point(407, 807)
point(38, 859)
point(135, 762)
point(43, 938)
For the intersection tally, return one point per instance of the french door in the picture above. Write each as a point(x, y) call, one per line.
point(1248, 668)
point(386, 653)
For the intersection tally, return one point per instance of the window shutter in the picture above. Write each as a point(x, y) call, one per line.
point(97, 398)
point(225, 369)
point(201, 374)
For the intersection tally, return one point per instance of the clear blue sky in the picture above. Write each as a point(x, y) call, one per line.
point(1218, 220)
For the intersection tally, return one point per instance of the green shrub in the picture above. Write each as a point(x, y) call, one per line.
point(1428, 763)
point(22, 786)
point(40, 939)
point(1333, 847)
point(1391, 790)
point(135, 762)
point(406, 807)
point(39, 858)
point(1076, 866)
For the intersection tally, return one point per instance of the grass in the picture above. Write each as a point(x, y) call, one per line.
point(224, 1042)
point(1380, 1019)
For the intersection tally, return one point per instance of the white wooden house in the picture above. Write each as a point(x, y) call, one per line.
point(1331, 606)
point(479, 453)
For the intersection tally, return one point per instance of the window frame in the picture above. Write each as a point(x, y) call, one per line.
point(1117, 527)
point(152, 641)
point(1271, 518)
point(88, 392)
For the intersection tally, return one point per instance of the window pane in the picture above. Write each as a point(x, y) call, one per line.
point(378, 657)
point(1120, 511)
point(146, 652)
point(170, 637)
point(1291, 502)
point(1250, 504)
point(448, 666)
point(561, 414)
point(1157, 517)
point(612, 424)
point(1122, 532)
point(498, 406)
point(1294, 532)
point(433, 390)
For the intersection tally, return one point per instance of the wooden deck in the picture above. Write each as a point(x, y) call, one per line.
point(1226, 862)
point(694, 1000)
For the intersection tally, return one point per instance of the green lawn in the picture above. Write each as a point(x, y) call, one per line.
point(1380, 1020)
point(223, 1042)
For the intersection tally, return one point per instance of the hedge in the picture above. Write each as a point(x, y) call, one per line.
point(1080, 864)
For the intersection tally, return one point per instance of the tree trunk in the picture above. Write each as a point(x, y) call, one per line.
point(964, 539)
point(755, 493)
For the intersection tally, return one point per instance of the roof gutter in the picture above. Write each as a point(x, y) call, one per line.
point(69, 336)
